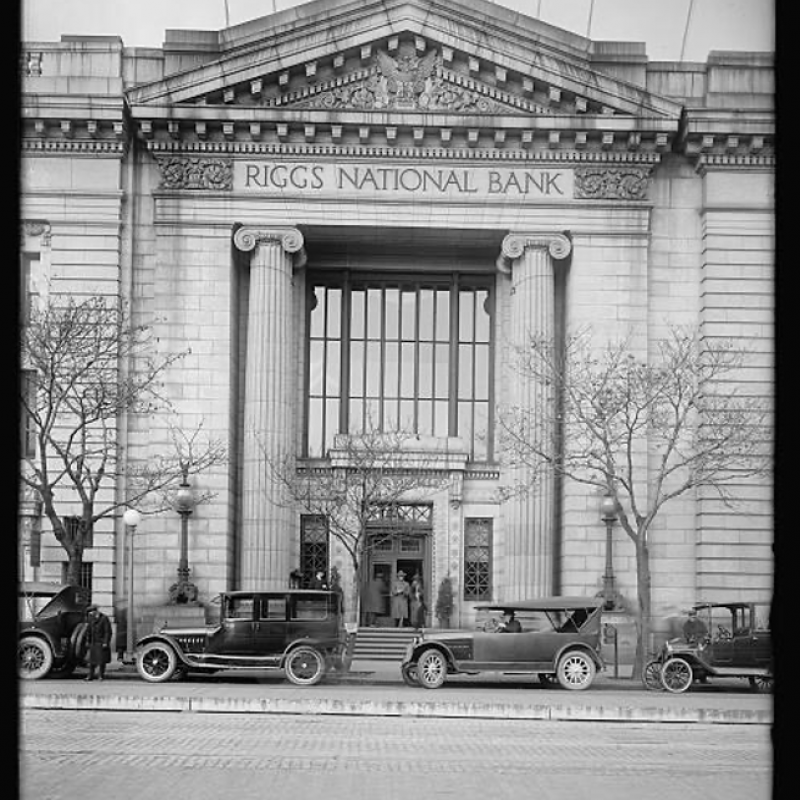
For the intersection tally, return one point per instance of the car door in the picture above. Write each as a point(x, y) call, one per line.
point(270, 626)
point(235, 636)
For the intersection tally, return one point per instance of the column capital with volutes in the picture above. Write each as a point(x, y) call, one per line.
point(558, 245)
point(248, 237)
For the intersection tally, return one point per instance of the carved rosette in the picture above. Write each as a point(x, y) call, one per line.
point(178, 172)
point(514, 245)
point(36, 227)
point(291, 241)
point(604, 183)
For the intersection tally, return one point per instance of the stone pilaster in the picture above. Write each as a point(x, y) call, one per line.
point(530, 516)
point(266, 524)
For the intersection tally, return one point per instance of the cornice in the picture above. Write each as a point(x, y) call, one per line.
point(714, 162)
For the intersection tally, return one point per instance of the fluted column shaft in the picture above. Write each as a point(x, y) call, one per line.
point(266, 521)
point(530, 521)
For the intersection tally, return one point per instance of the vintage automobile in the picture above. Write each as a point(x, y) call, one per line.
point(299, 631)
point(559, 642)
point(52, 624)
point(736, 643)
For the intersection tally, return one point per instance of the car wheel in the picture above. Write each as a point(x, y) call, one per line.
point(409, 673)
point(547, 679)
point(651, 676)
point(676, 675)
point(576, 670)
point(305, 666)
point(34, 658)
point(431, 669)
point(156, 662)
point(762, 684)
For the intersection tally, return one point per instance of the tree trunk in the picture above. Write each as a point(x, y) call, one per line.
point(643, 611)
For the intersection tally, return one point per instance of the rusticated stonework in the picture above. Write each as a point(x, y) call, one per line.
point(195, 173)
point(603, 183)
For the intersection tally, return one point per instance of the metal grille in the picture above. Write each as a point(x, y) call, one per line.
point(313, 547)
point(477, 559)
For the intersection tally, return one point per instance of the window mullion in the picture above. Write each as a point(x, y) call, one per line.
point(452, 401)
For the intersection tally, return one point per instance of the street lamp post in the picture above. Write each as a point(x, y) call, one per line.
point(184, 591)
point(131, 518)
point(609, 515)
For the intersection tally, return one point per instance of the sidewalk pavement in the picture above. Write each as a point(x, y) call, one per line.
point(375, 688)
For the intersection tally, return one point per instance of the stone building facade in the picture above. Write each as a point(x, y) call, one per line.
point(349, 211)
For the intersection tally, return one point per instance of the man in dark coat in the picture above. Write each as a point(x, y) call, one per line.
point(98, 642)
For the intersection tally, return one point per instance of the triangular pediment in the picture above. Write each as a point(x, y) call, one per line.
point(400, 56)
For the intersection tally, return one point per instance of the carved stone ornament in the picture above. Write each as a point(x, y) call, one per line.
point(407, 83)
point(35, 227)
point(514, 245)
point(291, 241)
point(178, 172)
point(605, 183)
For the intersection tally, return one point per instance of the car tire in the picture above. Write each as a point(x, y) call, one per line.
point(651, 676)
point(34, 658)
point(676, 675)
point(763, 684)
point(576, 670)
point(431, 668)
point(304, 666)
point(156, 662)
point(409, 673)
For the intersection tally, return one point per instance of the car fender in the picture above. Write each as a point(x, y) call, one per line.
point(307, 641)
point(436, 645)
point(166, 639)
point(38, 633)
point(582, 646)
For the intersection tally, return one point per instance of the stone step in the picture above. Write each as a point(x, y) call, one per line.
point(382, 644)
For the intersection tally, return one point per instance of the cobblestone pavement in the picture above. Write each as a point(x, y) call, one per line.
point(119, 755)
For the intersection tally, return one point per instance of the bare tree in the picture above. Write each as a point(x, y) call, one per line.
point(366, 477)
point(644, 433)
point(72, 399)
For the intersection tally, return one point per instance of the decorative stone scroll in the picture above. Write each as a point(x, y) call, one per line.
point(195, 173)
point(605, 183)
point(36, 227)
point(557, 244)
point(247, 238)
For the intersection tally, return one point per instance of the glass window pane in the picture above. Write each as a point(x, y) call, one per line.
point(373, 369)
point(390, 415)
point(482, 318)
point(334, 313)
point(407, 370)
point(443, 315)
point(316, 364)
point(442, 376)
point(392, 314)
point(333, 369)
point(441, 419)
point(372, 415)
point(391, 367)
point(426, 315)
point(425, 418)
point(357, 369)
point(425, 370)
point(465, 423)
point(316, 326)
point(407, 416)
point(356, 416)
point(357, 314)
point(409, 305)
point(331, 422)
point(465, 370)
point(315, 428)
point(466, 322)
point(480, 447)
point(482, 371)
point(374, 313)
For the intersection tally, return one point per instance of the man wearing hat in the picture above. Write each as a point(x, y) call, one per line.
point(98, 642)
point(400, 593)
point(694, 629)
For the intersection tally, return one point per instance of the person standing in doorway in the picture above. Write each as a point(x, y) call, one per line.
point(417, 603)
point(98, 642)
point(374, 602)
point(319, 581)
point(400, 593)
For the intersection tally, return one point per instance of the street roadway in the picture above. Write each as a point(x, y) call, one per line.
point(116, 755)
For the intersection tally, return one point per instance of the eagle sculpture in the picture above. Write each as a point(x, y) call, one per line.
point(406, 76)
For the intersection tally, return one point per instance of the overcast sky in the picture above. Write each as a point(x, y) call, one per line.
point(715, 24)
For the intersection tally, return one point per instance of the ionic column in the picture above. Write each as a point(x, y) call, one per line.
point(529, 520)
point(269, 399)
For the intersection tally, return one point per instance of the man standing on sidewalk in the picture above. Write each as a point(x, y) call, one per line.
point(98, 642)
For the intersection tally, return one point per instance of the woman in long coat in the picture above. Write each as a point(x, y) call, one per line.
point(98, 642)
point(400, 592)
point(417, 602)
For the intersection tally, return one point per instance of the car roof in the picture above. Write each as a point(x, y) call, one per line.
point(41, 588)
point(733, 604)
point(545, 604)
point(250, 593)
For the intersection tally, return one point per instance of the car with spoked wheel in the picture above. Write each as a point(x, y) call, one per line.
point(736, 642)
point(301, 632)
point(558, 641)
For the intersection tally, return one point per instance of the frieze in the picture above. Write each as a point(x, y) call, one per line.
point(214, 174)
point(602, 183)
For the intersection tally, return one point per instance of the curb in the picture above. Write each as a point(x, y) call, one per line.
point(211, 705)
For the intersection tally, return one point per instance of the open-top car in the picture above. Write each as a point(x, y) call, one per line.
point(733, 640)
point(559, 641)
point(299, 631)
point(52, 624)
